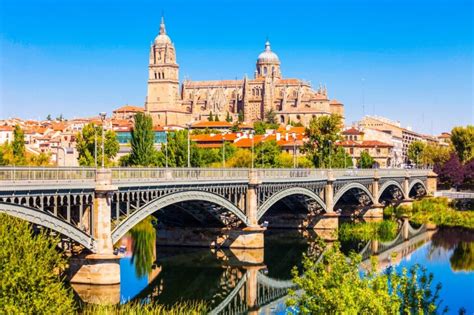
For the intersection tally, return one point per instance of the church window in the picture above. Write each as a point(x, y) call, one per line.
point(282, 119)
point(155, 75)
point(264, 70)
point(162, 75)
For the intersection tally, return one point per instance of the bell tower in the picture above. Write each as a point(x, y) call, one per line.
point(163, 77)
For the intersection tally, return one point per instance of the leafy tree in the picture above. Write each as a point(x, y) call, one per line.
point(266, 154)
point(18, 146)
point(178, 150)
point(463, 142)
point(285, 160)
point(6, 154)
point(341, 159)
point(435, 154)
point(228, 118)
point(235, 127)
point(323, 132)
point(304, 162)
point(451, 172)
point(143, 142)
point(30, 271)
point(210, 156)
point(415, 151)
point(241, 116)
point(210, 118)
point(241, 158)
point(86, 145)
point(270, 117)
point(336, 286)
point(366, 161)
point(42, 159)
point(259, 127)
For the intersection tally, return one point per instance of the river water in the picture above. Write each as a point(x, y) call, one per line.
point(228, 279)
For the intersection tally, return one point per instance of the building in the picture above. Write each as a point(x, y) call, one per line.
point(126, 112)
point(6, 134)
point(169, 103)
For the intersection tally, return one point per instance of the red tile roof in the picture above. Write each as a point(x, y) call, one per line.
point(352, 131)
point(212, 124)
point(129, 108)
point(6, 128)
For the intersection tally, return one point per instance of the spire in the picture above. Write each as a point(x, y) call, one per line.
point(267, 45)
point(162, 26)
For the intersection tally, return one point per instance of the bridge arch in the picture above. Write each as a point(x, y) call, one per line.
point(168, 200)
point(285, 193)
point(49, 221)
point(350, 186)
point(386, 185)
point(413, 183)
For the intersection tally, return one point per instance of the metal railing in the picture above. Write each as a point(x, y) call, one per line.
point(136, 174)
point(46, 174)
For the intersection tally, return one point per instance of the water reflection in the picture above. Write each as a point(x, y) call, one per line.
point(244, 281)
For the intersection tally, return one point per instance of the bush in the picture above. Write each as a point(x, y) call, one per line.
point(30, 271)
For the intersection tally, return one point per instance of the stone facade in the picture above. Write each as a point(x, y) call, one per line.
point(291, 99)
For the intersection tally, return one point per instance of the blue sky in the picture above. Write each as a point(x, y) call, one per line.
point(413, 60)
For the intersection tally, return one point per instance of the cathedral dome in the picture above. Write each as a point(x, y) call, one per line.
point(268, 56)
point(162, 38)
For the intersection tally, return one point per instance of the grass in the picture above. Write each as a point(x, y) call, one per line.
point(137, 308)
point(437, 211)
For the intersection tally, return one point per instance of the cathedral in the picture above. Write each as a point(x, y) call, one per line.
point(171, 104)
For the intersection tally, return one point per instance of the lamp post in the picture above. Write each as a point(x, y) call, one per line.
point(95, 147)
point(102, 117)
point(166, 150)
point(294, 149)
point(252, 133)
point(223, 151)
point(330, 149)
point(189, 144)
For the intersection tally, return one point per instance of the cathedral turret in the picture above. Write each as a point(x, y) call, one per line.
point(163, 77)
point(268, 63)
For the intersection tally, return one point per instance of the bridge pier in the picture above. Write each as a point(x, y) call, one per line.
point(103, 266)
point(431, 183)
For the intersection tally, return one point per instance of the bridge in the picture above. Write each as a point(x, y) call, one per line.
point(197, 206)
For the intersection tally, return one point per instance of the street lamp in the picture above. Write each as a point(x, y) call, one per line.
point(294, 149)
point(166, 150)
point(223, 150)
point(330, 149)
point(102, 117)
point(252, 133)
point(189, 144)
point(95, 146)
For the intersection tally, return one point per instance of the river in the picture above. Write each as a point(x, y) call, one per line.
point(228, 279)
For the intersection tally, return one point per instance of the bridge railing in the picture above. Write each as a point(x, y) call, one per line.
point(46, 174)
point(282, 173)
point(164, 174)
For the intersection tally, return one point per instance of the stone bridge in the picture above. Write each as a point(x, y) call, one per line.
point(198, 206)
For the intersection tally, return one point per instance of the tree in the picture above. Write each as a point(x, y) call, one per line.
point(18, 146)
point(366, 161)
point(323, 133)
point(86, 145)
point(143, 151)
point(216, 117)
point(241, 116)
point(60, 117)
point(31, 271)
point(260, 127)
point(463, 142)
point(178, 150)
point(434, 154)
point(341, 159)
point(415, 151)
point(210, 118)
point(335, 285)
point(451, 172)
point(48, 117)
point(228, 118)
point(241, 158)
point(266, 154)
point(270, 117)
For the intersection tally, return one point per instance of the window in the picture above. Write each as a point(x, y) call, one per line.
point(155, 76)
point(351, 150)
point(265, 70)
point(282, 119)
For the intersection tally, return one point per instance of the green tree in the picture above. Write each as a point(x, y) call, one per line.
point(241, 158)
point(178, 150)
point(210, 118)
point(336, 286)
point(415, 151)
point(463, 142)
point(270, 118)
point(60, 117)
point(341, 159)
point(366, 161)
point(143, 151)
point(228, 118)
point(31, 271)
point(259, 127)
point(86, 145)
point(216, 117)
point(323, 132)
point(18, 146)
point(241, 116)
point(48, 117)
point(266, 154)
point(435, 154)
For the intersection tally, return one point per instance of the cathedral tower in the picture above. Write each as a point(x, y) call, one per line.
point(268, 64)
point(163, 79)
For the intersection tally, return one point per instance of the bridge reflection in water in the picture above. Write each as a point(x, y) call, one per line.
point(234, 281)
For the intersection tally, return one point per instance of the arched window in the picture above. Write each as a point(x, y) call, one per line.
point(155, 76)
point(162, 75)
point(282, 119)
point(265, 70)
